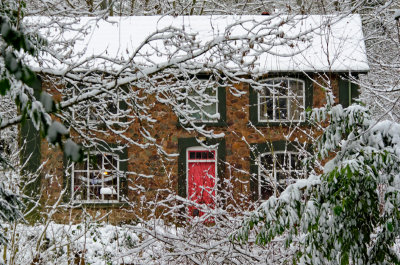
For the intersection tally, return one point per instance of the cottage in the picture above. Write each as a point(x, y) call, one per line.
point(206, 112)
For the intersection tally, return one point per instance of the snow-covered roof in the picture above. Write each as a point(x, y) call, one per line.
point(286, 44)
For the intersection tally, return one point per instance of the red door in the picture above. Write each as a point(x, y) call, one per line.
point(201, 179)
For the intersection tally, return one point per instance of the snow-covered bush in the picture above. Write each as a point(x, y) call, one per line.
point(348, 214)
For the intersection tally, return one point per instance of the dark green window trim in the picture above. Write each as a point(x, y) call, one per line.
point(260, 148)
point(30, 156)
point(253, 100)
point(183, 144)
point(348, 91)
point(221, 110)
point(123, 182)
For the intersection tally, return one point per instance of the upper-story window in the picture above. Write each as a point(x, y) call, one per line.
point(100, 107)
point(202, 100)
point(97, 178)
point(281, 100)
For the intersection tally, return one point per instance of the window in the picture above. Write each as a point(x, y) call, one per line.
point(97, 178)
point(274, 165)
point(277, 170)
point(281, 99)
point(105, 106)
point(204, 101)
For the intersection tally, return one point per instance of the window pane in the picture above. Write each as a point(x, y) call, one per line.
point(296, 108)
point(110, 162)
point(80, 178)
point(296, 88)
point(210, 155)
point(281, 109)
point(281, 86)
point(267, 162)
point(194, 110)
point(80, 166)
point(281, 161)
point(266, 186)
point(296, 162)
point(212, 92)
point(210, 108)
point(198, 155)
point(266, 109)
point(111, 197)
point(94, 192)
point(95, 178)
point(95, 162)
point(202, 99)
point(282, 175)
point(109, 191)
point(80, 192)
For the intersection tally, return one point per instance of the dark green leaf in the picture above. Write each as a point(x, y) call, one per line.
point(4, 86)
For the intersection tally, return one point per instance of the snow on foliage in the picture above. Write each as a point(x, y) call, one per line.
point(350, 213)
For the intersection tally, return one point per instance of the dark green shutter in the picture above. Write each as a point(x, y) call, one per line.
point(123, 181)
point(30, 155)
point(222, 106)
point(348, 91)
point(67, 174)
point(122, 104)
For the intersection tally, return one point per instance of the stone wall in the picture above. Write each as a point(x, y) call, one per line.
point(164, 170)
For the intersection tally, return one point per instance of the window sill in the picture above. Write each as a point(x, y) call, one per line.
point(206, 124)
point(279, 123)
point(101, 205)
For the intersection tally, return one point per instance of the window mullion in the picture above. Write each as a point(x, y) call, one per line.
point(87, 178)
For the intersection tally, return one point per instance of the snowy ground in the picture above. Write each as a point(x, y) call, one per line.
point(108, 244)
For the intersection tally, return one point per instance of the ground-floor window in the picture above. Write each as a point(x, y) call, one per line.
point(96, 179)
point(275, 165)
point(277, 170)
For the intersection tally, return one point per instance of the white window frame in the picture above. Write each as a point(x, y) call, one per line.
point(188, 160)
point(262, 171)
point(274, 95)
point(194, 98)
point(101, 171)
